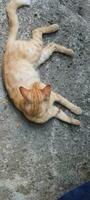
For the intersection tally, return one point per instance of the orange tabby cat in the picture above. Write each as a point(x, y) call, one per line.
point(22, 81)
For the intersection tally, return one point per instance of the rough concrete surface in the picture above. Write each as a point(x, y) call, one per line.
point(41, 162)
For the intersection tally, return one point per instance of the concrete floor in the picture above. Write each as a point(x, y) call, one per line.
point(41, 162)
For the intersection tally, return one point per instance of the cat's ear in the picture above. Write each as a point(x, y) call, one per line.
point(47, 90)
point(24, 92)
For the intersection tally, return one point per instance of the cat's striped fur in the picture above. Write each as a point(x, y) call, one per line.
point(22, 81)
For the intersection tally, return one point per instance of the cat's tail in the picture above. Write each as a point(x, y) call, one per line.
point(13, 19)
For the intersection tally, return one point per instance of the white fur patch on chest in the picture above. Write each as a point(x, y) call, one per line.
point(26, 75)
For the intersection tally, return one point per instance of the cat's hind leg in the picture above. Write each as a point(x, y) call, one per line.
point(38, 32)
point(53, 47)
point(50, 49)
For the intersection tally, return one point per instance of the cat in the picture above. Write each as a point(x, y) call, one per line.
point(22, 81)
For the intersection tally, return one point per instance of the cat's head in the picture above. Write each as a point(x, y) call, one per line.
point(36, 99)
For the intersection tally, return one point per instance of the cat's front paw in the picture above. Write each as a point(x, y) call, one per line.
point(70, 52)
point(55, 27)
point(77, 110)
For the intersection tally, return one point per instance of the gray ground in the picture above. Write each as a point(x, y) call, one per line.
point(41, 162)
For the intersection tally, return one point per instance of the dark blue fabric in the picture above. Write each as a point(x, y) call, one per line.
point(80, 193)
